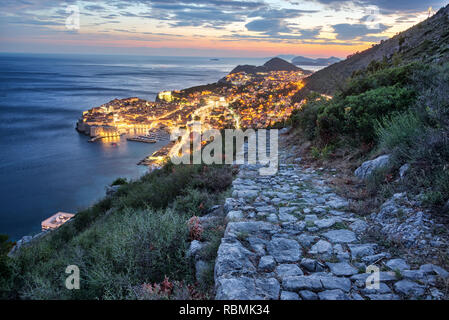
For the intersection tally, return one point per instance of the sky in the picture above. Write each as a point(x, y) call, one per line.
point(218, 28)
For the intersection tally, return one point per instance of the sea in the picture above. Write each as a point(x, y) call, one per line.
point(46, 166)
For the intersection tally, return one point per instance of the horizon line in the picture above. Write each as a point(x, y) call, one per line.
point(171, 55)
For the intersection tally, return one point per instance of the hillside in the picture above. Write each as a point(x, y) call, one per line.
point(275, 64)
point(428, 41)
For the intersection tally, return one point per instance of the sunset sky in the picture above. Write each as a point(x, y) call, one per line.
point(256, 28)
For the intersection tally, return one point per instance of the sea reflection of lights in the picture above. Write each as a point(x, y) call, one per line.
point(110, 144)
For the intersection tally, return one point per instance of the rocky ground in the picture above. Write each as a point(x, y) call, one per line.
point(290, 236)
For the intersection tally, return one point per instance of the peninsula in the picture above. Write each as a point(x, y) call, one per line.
point(248, 97)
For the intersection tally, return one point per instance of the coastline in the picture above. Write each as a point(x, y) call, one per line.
point(213, 104)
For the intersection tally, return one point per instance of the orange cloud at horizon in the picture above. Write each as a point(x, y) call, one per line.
point(234, 47)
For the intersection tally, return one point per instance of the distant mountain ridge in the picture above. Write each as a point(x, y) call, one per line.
point(427, 41)
point(274, 64)
point(304, 61)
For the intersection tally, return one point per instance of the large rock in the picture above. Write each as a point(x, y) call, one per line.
point(234, 259)
point(284, 250)
point(239, 288)
point(302, 282)
point(332, 283)
point(267, 263)
point(382, 289)
point(358, 226)
point(362, 250)
point(342, 269)
point(321, 247)
point(257, 245)
point(230, 203)
point(195, 248)
point(397, 264)
point(340, 236)
point(325, 223)
point(368, 167)
point(409, 288)
point(433, 269)
point(308, 295)
point(288, 270)
point(311, 265)
point(245, 194)
point(268, 288)
point(250, 227)
point(234, 215)
point(403, 170)
point(288, 295)
point(336, 294)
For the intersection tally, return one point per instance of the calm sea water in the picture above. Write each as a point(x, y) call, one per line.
point(45, 165)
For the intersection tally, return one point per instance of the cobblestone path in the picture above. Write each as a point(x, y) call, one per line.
point(290, 237)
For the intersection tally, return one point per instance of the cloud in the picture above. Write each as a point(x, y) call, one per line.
point(390, 6)
point(270, 13)
point(268, 26)
point(407, 5)
point(346, 31)
point(273, 23)
point(211, 14)
point(95, 7)
point(280, 30)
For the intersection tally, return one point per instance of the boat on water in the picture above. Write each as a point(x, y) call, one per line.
point(144, 139)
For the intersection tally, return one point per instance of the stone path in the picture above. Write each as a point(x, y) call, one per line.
point(290, 237)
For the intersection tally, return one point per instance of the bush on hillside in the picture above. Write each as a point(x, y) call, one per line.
point(125, 250)
point(193, 202)
point(5, 266)
point(379, 91)
point(420, 136)
point(139, 235)
point(119, 182)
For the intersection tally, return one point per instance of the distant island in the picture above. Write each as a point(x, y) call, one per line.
point(274, 64)
point(304, 61)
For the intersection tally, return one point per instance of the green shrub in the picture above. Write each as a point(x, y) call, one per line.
point(378, 182)
point(356, 115)
point(306, 117)
point(399, 133)
point(156, 189)
point(216, 178)
point(6, 271)
point(119, 182)
point(420, 136)
point(84, 218)
point(323, 153)
point(370, 95)
point(193, 202)
point(124, 250)
point(383, 75)
point(139, 235)
point(434, 198)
